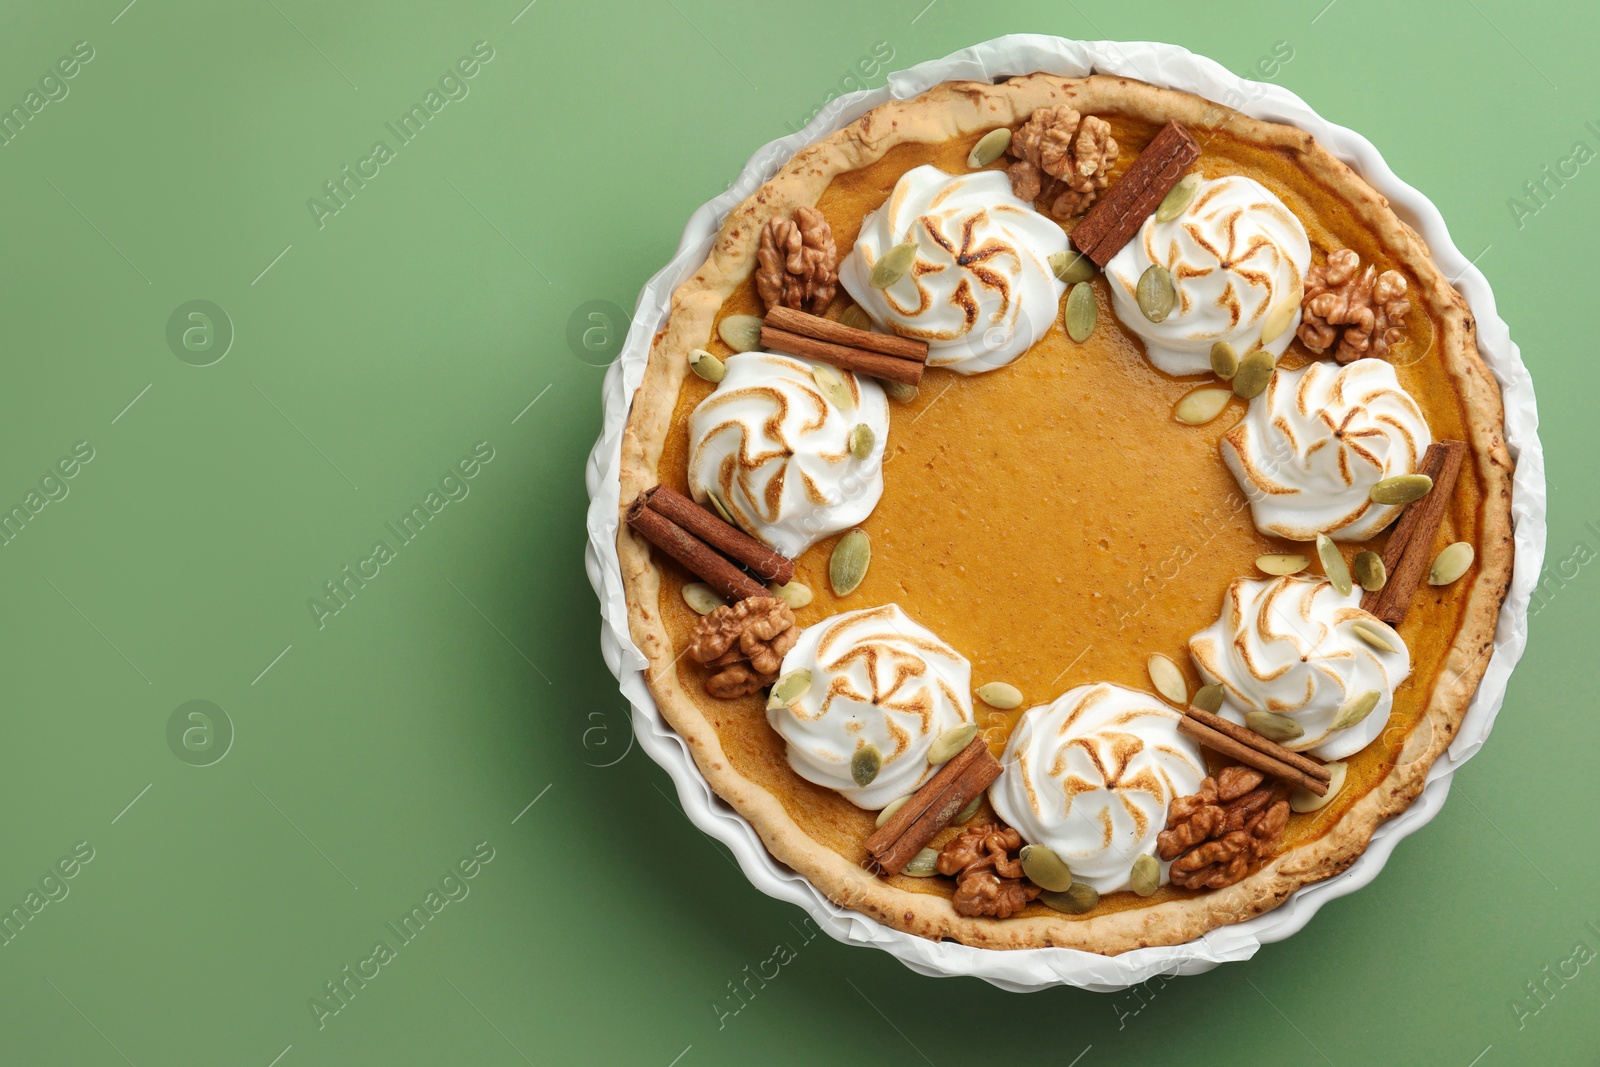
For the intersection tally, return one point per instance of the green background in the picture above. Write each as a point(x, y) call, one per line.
point(363, 757)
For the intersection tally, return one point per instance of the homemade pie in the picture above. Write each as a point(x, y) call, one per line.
point(1179, 373)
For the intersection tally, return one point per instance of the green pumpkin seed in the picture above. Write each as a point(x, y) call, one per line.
point(888, 813)
point(1072, 266)
point(1080, 314)
point(989, 148)
point(1224, 360)
point(1208, 698)
point(865, 765)
point(1178, 197)
point(702, 598)
point(1369, 570)
point(948, 744)
point(856, 317)
point(1001, 695)
point(924, 864)
point(1355, 709)
point(861, 440)
point(1401, 489)
point(893, 266)
point(1304, 800)
point(1045, 869)
point(833, 387)
point(707, 366)
point(1254, 374)
point(848, 565)
point(1273, 727)
point(1155, 293)
point(1374, 637)
point(720, 508)
point(1078, 899)
point(1333, 564)
point(1168, 679)
point(788, 689)
point(742, 333)
point(1282, 564)
point(1279, 317)
point(1200, 406)
point(900, 392)
point(795, 594)
point(1145, 878)
point(969, 811)
point(1451, 564)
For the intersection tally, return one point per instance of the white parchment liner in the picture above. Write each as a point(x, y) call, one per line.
point(1032, 969)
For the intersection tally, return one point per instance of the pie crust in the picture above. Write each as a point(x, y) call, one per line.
point(963, 109)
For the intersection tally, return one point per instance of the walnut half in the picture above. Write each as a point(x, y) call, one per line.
point(745, 644)
point(1363, 310)
point(1215, 836)
point(1062, 158)
point(988, 877)
point(797, 262)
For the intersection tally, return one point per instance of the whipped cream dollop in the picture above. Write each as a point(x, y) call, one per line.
point(1091, 776)
point(775, 449)
point(1311, 447)
point(1288, 646)
point(1234, 253)
point(880, 679)
point(980, 291)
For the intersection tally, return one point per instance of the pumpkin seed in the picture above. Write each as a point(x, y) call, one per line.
point(1155, 293)
point(1208, 698)
point(856, 316)
point(1282, 564)
point(989, 147)
point(1178, 197)
point(865, 765)
point(924, 864)
point(1168, 679)
point(1304, 800)
point(902, 392)
point(1224, 360)
point(1333, 564)
point(701, 597)
point(1072, 266)
point(720, 508)
point(742, 333)
point(888, 813)
point(1200, 406)
point(1401, 489)
point(969, 811)
point(1355, 709)
point(1369, 570)
point(893, 266)
point(833, 387)
point(1000, 695)
point(848, 565)
point(788, 689)
point(1045, 869)
point(1279, 317)
point(1254, 374)
point(1273, 727)
point(795, 594)
point(1451, 564)
point(1077, 899)
point(707, 366)
point(1374, 637)
point(1080, 314)
point(1145, 878)
point(947, 744)
point(861, 440)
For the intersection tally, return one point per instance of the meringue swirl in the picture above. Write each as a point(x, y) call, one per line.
point(1288, 646)
point(876, 678)
point(1092, 775)
point(776, 450)
point(1234, 253)
point(1310, 449)
point(980, 291)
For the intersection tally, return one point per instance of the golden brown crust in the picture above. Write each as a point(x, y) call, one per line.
point(951, 110)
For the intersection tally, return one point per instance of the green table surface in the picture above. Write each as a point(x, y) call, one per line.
point(450, 728)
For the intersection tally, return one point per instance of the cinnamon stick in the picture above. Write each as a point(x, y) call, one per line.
point(876, 364)
point(930, 809)
point(1409, 552)
point(1250, 757)
point(786, 318)
point(1117, 216)
point(729, 540)
point(1256, 741)
point(700, 558)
